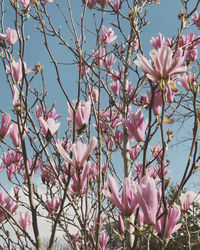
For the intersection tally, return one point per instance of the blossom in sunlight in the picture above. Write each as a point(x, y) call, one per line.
point(25, 220)
point(116, 5)
point(171, 223)
point(136, 126)
point(10, 37)
point(80, 152)
point(5, 125)
point(196, 19)
point(165, 63)
point(157, 42)
point(15, 135)
point(82, 113)
point(99, 56)
point(53, 205)
point(186, 200)
point(128, 202)
point(107, 36)
point(16, 70)
point(147, 197)
point(49, 126)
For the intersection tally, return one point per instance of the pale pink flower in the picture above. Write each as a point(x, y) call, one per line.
point(99, 56)
point(171, 223)
point(147, 197)
point(166, 64)
point(16, 70)
point(15, 135)
point(95, 95)
point(115, 86)
point(136, 126)
point(196, 19)
point(107, 36)
point(80, 152)
point(157, 101)
point(49, 125)
point(53, 205)
point(82, 113)
point(101, 2)
point(10, 37)
point(186, 80)
point(121, 224)
point(186, 200)
point(5, 125)
point(157, 42)
point(103, 240)
point(170, 94)
point(128, 202)
point(26, 3)
point(25, 220)
point(15, 93)
point(109, 62)
point(116, 5)
point(134, 152)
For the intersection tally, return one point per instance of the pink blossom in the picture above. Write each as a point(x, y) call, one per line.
point(157, 42)
point(26, 3)
point(187, 80)
point(107, 36)
point(53, 205)
point(10, 37)
point(128, 202)
point(101, 2)
point(82, 113)
point(116, 5)
point(91, 3)
point(15, 135)
point(99, 56)
point(121, 224)
point(171, 223)
point(49, 126)
point(186, 200)
point(95, 95)
point(118, 137)
point(109, 62)
point(115, 86)
point(134, 152)
point(157, 101)
point(5, 125)
point(103, 240)
point(80, 152)
point(25, 220)
point(170, 94)
point(196, 19)
point(147, 196)
point(15, 93)
point(16, 70)
point(166, 64)
point(136, 126)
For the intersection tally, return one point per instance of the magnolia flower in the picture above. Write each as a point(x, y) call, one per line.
point(186, 200)
point(80, 152)
point(171, 223)
point(53, 205)
point(10, 37)
point(107, 36)
point(166, 64)
point(196, 19)
point(136, 126)
point(147, 197)
point(128, 203)
point(49, 125)
point(25, 220)
point(16, 70)
point(5, 125)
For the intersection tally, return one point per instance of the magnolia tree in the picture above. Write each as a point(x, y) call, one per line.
point(109, 163)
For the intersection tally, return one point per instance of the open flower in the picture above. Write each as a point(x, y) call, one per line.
point(166, 64)
point(10, 37)
point(128, 203)
point(107, 36)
